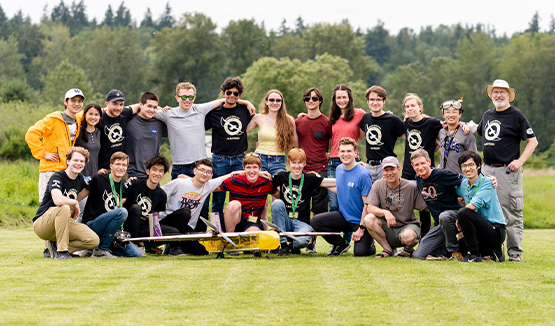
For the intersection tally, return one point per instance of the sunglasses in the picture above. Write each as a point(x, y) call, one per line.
point(313, 98)
point(274, 100)
point(228, 93)
point(451, 103)
point(252, 154)
point(185, 97)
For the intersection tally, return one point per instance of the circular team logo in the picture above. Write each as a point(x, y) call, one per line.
point(146, 205)
point(373, 135)
point(289, 197)
point(71, 194)
point(109, 201)
point(232, 125)
point(114, 133)
point(493, 128)
point(415, 140)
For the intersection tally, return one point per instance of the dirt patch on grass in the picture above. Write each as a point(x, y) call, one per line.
point(539, 173)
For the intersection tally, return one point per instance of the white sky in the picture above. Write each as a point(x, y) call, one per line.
point(507, 16)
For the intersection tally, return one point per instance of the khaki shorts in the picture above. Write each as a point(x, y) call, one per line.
point(393, 235)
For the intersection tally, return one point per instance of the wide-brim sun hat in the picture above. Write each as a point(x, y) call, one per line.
point(500, 83)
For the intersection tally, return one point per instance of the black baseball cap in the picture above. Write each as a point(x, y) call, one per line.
point(114, 95)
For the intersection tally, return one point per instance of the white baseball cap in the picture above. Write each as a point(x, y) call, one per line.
point(74, 92)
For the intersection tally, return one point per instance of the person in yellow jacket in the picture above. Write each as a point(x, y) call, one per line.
point(51, 137)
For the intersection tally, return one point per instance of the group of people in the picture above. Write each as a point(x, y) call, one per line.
point(103, 167)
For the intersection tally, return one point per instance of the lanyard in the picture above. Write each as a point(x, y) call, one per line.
point(117, 199)
point(448, 145)
point(476, 190)
point(295, 201)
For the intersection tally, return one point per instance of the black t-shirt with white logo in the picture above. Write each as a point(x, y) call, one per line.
point(439, 191)
point(381, 134)
point(112, 137)
point(311, 182)
point(421, 134)
point(502, 132)
point(60, 180)
point(148, 199)
point(101, 199)
point(229, 129)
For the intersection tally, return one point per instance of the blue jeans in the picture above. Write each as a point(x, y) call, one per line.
point(223, 165)
point(106, 225)
point(287, 224)
point(272, 163)
point(187, 169)
point(131, 250)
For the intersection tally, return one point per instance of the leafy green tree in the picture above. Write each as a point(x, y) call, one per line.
point(287, 46)
point(62, 78)
point(192, 51)
point(17, 90)
point(244, 43)
point(11, 66)
point(14, 146)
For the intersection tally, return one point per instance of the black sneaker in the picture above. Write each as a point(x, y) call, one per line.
point(46, 253)
point(332, 250)
point(52, 248)
point(310, 249)
point(284, 250)
point(498, 255)
point(176, 252)
point(63, 255)
point(471, 258)
point(342, 249)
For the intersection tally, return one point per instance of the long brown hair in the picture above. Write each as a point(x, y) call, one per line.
point(83, 131)
point(335, 110)
point(284, 125)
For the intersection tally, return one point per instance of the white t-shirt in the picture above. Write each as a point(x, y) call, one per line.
point(183, 193)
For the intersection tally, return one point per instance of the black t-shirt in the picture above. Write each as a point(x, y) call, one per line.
point(439, 191)
point(60, 180)
point(112, 137)
point(502, 133)
point(421, 134)
point(101, 199)
point(150, 200)
point(311, 182)
point(229, 129)
point(381, 134)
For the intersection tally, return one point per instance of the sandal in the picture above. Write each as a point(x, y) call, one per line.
point(384, 254)
point(406, 253)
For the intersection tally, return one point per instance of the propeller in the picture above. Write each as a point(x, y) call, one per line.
point(216, 231)
point(277, 228)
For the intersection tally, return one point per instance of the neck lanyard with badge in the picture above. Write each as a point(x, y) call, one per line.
point(447, 145)
point(117, 199)
point(295, 201)
point(481, 177)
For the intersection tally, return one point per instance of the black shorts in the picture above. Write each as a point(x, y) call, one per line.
point(245, 224)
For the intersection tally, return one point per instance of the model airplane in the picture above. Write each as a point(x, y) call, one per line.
point(218, 242)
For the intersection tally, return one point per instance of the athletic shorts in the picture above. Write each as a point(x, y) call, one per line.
point(393, 235)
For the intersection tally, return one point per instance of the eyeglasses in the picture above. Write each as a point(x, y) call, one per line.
point(185, 97)
point(378, 100)
point(469, 165)
point(274, 100)
point(313, 98)
point(451, 103)
point(228, 93)
point(252, 154)
point(205, 172)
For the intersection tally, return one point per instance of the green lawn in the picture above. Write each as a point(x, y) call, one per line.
point(294, 290)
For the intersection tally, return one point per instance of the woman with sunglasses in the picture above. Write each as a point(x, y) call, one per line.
point(345, 122)
point(89, 138)
point(276, 132)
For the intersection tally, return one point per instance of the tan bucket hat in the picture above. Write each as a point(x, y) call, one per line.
point(500, 83)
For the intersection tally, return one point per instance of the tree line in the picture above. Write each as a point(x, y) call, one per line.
point(40, 61)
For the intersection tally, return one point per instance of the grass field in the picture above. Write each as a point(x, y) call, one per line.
point(294, 290)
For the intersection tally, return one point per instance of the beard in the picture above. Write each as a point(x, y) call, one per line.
point(500, 104)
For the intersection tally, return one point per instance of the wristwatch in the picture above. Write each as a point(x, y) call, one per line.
point(362, 227)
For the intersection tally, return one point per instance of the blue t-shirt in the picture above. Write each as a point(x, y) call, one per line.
point(484, 198)
point(351, 186)
point(439, 192)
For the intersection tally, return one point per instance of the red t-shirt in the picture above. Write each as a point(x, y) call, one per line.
point(252, 196)
point(314, 138)
point(343, 128)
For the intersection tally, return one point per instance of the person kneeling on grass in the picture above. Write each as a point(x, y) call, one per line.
point(391, 204)
point(104, 213)
point(481, 220)
point(53, 221)
point(291, 205)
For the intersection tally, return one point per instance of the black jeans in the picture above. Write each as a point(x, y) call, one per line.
point(480, 236)
point(335, 222)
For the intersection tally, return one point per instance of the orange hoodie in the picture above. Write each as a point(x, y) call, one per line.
point(48, 134)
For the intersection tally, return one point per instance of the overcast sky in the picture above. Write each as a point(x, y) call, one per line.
point(507, 16)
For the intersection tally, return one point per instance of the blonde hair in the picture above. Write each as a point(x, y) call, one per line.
point(284, 126)
point(413, 96)
point(77, 149)
point(185, 85)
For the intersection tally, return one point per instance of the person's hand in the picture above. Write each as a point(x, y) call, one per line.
point(327, 155)
point(103, 171)
point(165, 108)
point(313, 172)
point(265, 175)
point(358, 234)
point(302, 114)
point(390, 219)
point(183, 176)
point(465, 128)
point(461, 201)
point(493, 181)
point(515, 165)
point(131, 179)
point(362, 164)
point(54, 157)
point(444, 124)
point(75, 211)
point(389, 112)
point(458, 225)
point(251, 108)
point(437, 147)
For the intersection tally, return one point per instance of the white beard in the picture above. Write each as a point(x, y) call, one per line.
point(500, 104)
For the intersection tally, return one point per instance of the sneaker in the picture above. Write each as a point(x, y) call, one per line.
point(101, 253)
point(63, 255)
point(456, 255)
point(176, 252)
point(52, 248)
point(284, 250)
point(310, 249)
point(515, 257)
point(46, 253)
point(498, 255)
point(471, 258)
point(332, 250)
point(342, 249)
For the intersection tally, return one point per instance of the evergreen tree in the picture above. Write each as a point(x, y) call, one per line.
point(123, 16)
point(109, 17)
point(534, 25)
point(79, 16)
point(60, 14)
point(166, 19)
point(147, 21)
point(299, 26)
point(283, 29)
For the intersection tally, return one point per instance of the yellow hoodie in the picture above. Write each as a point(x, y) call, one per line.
point(48, 134)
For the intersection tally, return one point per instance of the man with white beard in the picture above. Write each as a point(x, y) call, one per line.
point(503, 128)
